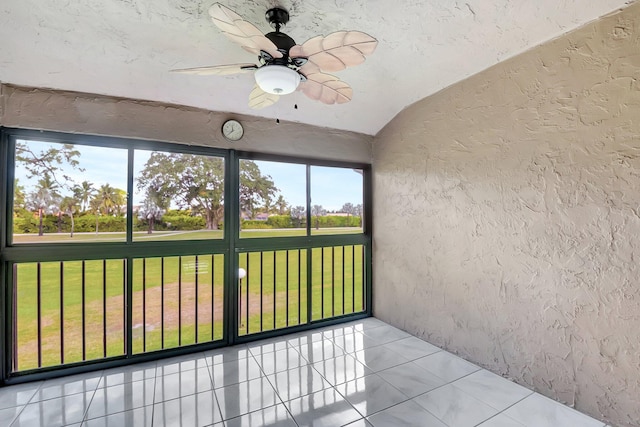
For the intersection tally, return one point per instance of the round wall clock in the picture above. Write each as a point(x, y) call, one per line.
point(232, 130)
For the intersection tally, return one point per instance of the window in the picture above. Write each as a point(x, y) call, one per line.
point(65, 193)
point(177, 196)
point(336, 200)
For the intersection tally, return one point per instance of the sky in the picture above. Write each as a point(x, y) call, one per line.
point(330, 187)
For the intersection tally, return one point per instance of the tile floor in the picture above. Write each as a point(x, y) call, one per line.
point(361, 374)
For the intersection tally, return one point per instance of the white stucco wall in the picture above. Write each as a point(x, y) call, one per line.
point(507, 219)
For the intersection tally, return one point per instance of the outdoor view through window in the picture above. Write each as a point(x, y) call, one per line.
point(66, 193)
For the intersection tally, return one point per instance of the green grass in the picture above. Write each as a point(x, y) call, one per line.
point(180, 300)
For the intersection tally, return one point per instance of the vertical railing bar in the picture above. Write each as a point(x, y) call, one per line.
point(333, 281)
point(309, 264)
point(299, 284)
point(180, 301)
point(39, 310)
point(322, 283)
point(363, 279)
point(104, 308)
point(342, 282)
point(62, 312)
point(144, 305)
point(246, 326)
point(84, 282)
point(213, 295)
point(353, 278)
point(125, 310)
point(287, 290)
point(162, 302)
point(274, 289)
point(196, 299)
point(261, 291)
point(14, 317)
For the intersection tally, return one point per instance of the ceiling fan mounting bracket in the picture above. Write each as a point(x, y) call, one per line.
point(277, 17)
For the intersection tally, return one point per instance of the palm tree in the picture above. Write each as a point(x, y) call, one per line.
point(282, 205)
point(108, 199)
point(69, 205)
point(84, 193)
point(44, 199)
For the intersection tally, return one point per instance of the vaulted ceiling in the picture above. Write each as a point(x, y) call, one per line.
point(126, 47)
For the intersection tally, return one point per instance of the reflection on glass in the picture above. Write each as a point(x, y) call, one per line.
point(336, 200)
point(272, 199)
point(67, 193)
point(177, 196)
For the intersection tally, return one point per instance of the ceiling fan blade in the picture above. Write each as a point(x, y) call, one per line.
point(259, 99)
point(218, 70)
point(336, 51)
point(326, 88)
point(242, 32)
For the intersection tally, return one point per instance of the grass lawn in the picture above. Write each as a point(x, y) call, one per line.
point(176, 301)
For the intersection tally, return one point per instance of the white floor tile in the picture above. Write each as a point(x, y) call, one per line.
point(355, 341)
point(379, 358)
point(55, 412)
point(227, 354)
point(500, 420)
point(182, 384)
point(492, 389)
point(297, 382)
point(539, 411)
point(407, 414)
point(412, 347)
point(245, 397)
point(446, 366)
point(410, 379)
point(7, 415)
point(370, 394)
point(123, 397)
point(320, 350)
point(454, 407)
point(341, 369)
point(326, 408)
point(135, 417)
point(274, 416)
point(65, 386)
point(281, 360)
point(128, 374)
point(318, 377)
point(235, 371)
point(184, 363)
point(386, 333)
point(196, 410)
point(19, 394)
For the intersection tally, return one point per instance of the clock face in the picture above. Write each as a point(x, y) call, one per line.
point(232, 130)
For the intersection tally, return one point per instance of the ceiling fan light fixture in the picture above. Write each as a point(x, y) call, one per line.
point(277, 79)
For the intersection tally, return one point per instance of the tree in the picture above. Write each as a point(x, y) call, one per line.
point(44, 199)
point(19, 197)
point(108, 200)
point(281, 205)
point(298, 213)
point(84, 193)
point(95, 205)
point(254, 187)
point(317, 211)
point(48, 162)
point(69, 205)
point(191, 181)
point(348, 208)
point(357, 211)
point(150, 211)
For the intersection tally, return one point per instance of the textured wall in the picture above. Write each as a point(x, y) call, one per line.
point(102, 115)
point(507, 219)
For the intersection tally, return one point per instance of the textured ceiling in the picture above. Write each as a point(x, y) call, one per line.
point(126, 47)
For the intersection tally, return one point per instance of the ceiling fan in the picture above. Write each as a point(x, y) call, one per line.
point(284, 66)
